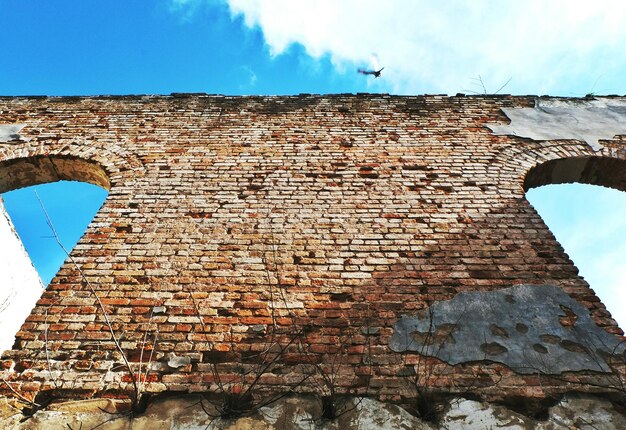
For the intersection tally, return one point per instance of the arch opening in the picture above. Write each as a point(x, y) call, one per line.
point(604, 171)
point(25, 172)
point(72, 190)
point(582, 201)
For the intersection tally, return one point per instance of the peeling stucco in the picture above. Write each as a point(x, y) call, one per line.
point(530, 328)
point(174, 361)
point(9, 132)
point(589, 120)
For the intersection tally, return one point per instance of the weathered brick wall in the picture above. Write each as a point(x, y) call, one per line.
point(305, 225)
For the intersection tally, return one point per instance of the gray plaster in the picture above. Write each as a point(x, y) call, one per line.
point(558, 119)
point(530, 328)
point(158, 310)
point(175, 361)
point(9, 132)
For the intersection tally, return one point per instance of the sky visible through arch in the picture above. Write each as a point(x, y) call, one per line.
point(560, 48)
point(70, 206)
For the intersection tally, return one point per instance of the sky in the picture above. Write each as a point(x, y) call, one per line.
point(238, 47)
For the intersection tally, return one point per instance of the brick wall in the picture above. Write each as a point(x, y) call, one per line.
point(297, 230)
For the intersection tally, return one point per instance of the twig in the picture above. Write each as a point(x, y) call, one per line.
point(45, 337)
point(504, 85)
point(20, 397)
point(484, 88)
point(154, 345)
point(143, 347)
point(480, 79)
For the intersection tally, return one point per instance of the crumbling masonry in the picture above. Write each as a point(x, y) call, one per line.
point(383, 233)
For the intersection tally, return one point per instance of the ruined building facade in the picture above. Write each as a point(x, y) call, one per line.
point(269, 242)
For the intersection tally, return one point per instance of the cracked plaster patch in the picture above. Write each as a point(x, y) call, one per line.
point(175, 362)
point(558, 119)
point(530, 328)
point(9, 132)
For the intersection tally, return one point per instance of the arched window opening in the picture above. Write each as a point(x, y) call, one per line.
point(71, 206)
point(589, 220)
point(71, 190)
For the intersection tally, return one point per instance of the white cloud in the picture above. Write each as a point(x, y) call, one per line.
point(429, 46)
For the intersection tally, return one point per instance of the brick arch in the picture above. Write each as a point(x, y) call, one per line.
point(538, 163)
point(27, 171)
point(605, 171)
point(105, 166)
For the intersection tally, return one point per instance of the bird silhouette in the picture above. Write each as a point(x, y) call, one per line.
point(376, 73)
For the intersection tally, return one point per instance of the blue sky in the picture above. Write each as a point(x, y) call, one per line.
point(564, 48)
point(71, 206)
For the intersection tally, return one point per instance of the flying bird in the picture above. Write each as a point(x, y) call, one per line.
point(376, 73)
point(374, 67)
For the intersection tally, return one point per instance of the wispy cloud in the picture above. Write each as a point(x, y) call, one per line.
point(427, 46)
point(187, 10)
point(250, 78)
